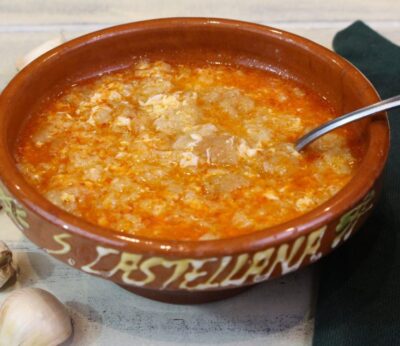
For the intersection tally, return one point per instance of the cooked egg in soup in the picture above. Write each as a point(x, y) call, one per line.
point(184, 151)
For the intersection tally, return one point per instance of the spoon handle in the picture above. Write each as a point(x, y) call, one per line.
point(311, 136)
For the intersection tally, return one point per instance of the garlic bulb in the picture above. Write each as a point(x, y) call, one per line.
point(33, 317)
point(7, 268)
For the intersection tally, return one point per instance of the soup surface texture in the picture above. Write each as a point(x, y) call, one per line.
point(184, 152)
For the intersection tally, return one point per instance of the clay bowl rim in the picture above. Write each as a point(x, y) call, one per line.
point(368, 172)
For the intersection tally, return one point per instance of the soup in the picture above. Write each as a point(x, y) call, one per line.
point(185, 152)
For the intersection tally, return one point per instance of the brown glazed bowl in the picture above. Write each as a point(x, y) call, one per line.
point(180, 271)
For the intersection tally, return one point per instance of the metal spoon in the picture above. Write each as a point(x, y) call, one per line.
point(311, 136)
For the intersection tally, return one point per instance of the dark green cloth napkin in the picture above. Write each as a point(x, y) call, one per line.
point(359, 290)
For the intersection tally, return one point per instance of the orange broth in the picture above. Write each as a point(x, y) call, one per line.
point(183, 152)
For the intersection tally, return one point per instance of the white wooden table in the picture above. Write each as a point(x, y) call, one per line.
point(277, 312)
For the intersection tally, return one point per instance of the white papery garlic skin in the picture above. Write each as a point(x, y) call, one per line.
point(33, 317)
point(38, 51)
point(7, 268)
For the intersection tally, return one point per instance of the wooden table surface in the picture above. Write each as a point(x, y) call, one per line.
point(277, 312)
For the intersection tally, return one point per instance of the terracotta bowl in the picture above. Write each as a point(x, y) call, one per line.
point(178, 271)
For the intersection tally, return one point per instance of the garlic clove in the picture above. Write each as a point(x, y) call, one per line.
point(6, 273)
point(38, 51)
point(33, 317)
point(5, 254)
point(7, 268)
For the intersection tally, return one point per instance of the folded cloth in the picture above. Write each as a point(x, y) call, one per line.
point(359, 290)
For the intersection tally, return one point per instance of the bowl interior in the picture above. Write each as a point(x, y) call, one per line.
point(182, 40)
